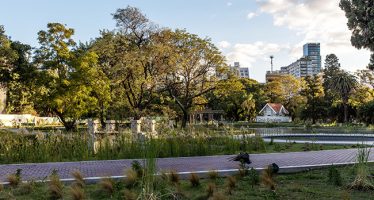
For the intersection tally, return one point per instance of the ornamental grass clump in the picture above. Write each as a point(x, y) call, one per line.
point(129, 195)
point(55, 187)
point(334, 176)
point(362, 180)
point(194, 180)
point(107, 186)
point(15, 179)
point(77, 192)
point(213, 175)
point(231, 184)
point(131, 178)
point(174, 177)
point(254, 178)
point(267, 178)
point(210, 189)
point(78, 179)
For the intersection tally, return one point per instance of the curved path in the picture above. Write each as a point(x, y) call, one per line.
point(94, 170)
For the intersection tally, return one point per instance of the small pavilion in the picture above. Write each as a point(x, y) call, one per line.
point(206, 115)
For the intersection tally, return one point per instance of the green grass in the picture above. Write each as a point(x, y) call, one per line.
point(307, 185)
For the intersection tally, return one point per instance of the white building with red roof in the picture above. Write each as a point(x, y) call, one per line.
point(273, 112)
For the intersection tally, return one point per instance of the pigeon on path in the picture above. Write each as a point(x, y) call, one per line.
point(242, 157)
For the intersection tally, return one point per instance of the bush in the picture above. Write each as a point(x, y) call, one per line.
point(77, 193)
point(194, 180)
point(334, 176)
point(55, 187)
point(107, 186)
point(254, 178)
point(231, 184)
point(213, 175)
point(174, 177)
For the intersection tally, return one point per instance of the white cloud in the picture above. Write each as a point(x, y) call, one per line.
point(224, 44)
point(251, 15)
point(249, 53)
point(229, 4)
point(316, 21)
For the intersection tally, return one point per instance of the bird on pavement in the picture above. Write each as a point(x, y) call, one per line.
point(242, 157)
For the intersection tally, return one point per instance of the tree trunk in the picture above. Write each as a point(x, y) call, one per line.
point(185, 118)
point(345, 106)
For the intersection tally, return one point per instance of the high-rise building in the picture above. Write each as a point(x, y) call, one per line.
point(242, 72)
point(308, 65)
point(313, 52)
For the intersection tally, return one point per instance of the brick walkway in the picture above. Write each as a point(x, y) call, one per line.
point(40, 171)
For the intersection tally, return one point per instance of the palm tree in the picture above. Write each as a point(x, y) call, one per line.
point(343, 84)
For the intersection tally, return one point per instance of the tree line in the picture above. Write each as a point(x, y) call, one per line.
point(141, 69)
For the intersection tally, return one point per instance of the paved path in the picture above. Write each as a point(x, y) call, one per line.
point(94, 169)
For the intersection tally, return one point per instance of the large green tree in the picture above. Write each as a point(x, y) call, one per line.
point(132, 57)
point(313, 92)
point(67, 76)
point(343, 84)
point(286, 90)
point(193, 64)
point(360, 14)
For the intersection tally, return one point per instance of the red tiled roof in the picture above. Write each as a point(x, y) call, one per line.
point(276, 106)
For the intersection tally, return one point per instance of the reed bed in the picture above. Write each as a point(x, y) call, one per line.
point(18, 148)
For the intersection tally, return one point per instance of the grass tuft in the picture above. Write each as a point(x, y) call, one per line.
point(194, 180)
point(107, 186)
point(267, 178)
point(79, 180)
point(131, 178)
point(129, 195)
point(231, 184)
point(77, 192)
point(55, 187)
point(174, 177)
point(213, 175)
point(210, 189)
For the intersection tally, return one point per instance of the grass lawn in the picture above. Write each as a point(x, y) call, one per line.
point(307, 185)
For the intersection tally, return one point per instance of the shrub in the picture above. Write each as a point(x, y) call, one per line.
point(55, 187)
point(25, 188)
point(77, 192)
point(213, 175)
point(13, 180)
point(254, 178)
point(174, 177)
point(211, 188)
point(131, 178)
point(194, 180)
point(79, 180)
point(362, 181)
point(277, 147)
point(138, 168)
point(334, 176)
point(231, 184)
point(107, 186)
point(129, 195)
point(267, 178)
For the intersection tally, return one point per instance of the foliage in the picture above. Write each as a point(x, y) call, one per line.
point(313, 92)
point(362, 180)
point(286, 90)
point(191, 69)
point(366, 111)
point(194, 180)
point(254, 177)
point(334, 176)
point(361, 23)
point(343, 85)
point(68, 77)
point(55, 187)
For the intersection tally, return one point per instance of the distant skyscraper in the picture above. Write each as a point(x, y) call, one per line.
point(242, 72)
point(313, 52)
point(308, 65)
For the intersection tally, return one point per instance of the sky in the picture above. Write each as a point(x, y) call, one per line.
point(246, 31)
